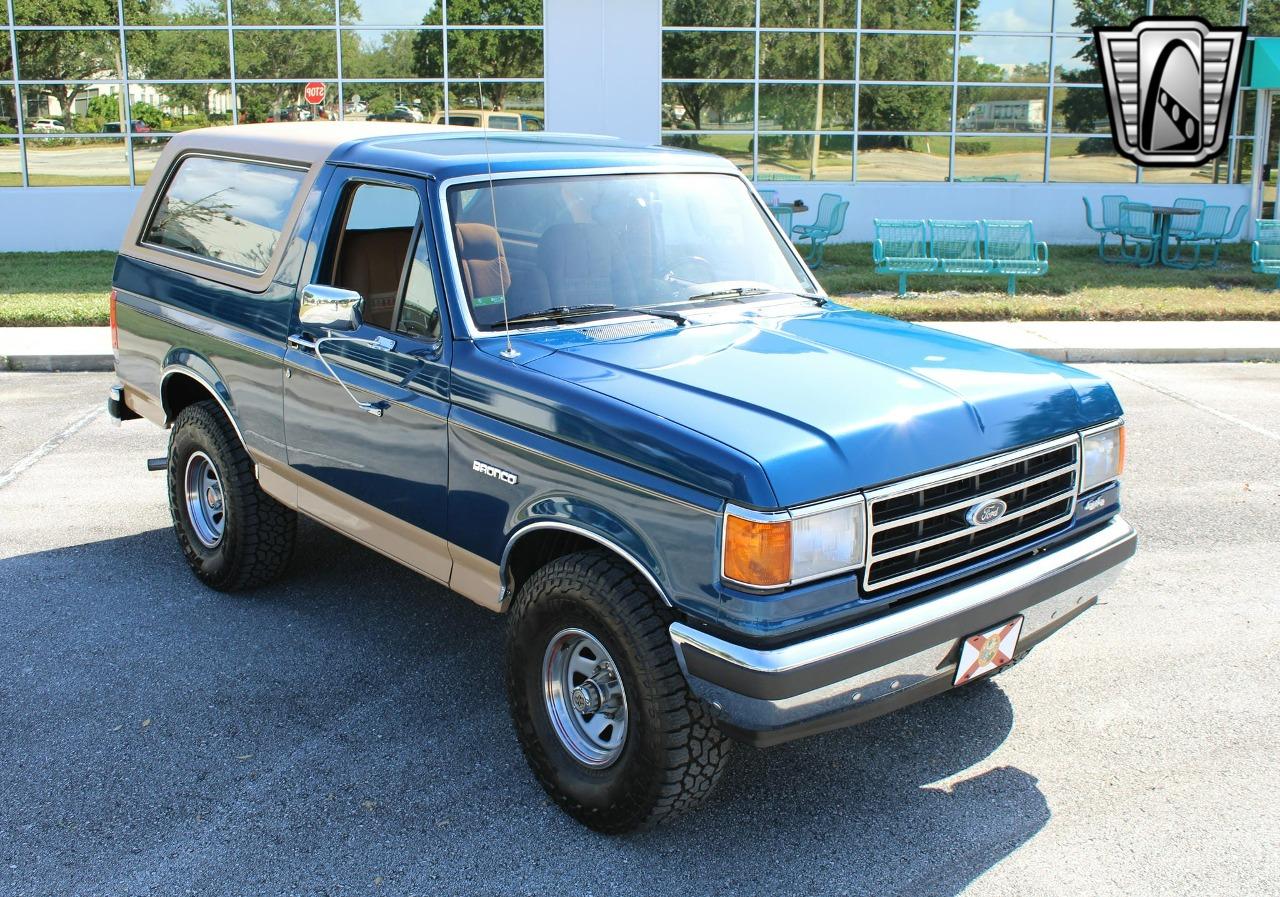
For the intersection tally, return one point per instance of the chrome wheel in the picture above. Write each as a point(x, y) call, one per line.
point(206, 506)
point(585, 697)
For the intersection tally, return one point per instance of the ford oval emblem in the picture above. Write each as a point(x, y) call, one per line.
point(986, 512)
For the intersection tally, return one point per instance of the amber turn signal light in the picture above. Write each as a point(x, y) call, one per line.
point(757, 553)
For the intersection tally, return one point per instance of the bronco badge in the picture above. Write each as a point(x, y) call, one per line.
point(496, 472)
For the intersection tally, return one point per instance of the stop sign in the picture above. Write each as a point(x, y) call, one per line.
point(314, 92)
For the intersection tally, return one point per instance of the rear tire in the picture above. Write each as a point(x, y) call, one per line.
point(233, 535)
point(660, 753)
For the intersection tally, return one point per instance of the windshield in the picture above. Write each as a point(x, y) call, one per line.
point(623, 241)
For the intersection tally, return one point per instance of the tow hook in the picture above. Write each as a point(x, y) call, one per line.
point(154, 464)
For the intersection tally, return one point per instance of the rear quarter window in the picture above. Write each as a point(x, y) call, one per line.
point(225, 210)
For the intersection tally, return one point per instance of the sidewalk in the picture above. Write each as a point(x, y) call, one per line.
point(1079, 342)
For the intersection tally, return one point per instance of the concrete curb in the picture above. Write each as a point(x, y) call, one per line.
point(56, 349)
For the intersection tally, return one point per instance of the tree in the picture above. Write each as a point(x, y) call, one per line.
point(507, 53)
point(694, 55)
point(185, 55)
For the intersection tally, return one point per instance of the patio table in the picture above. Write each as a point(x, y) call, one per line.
point(1163, 221)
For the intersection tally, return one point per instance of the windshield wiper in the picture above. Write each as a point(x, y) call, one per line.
point(730, 293)
point(561, 312)
point(661, 313)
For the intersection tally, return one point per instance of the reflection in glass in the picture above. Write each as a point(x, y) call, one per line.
point(176, 12)
point(903, 158)
point(84, 12)
point(392, 53)
point(808, 13)
point(734, 147)
point(1067, 14)
point(1214, 171)
point(282, 101)
point(1088, 159)
point(797, 56)
point(906, 57)
point(76, 161)
point(146, 152)
point(1246, 112)
point(392, 101)
point(524, 97)
point(1264, 18)
point(1001, 109)
point(178, 55)
point(792, 157)
point(183, 106)
point(283, 12)
point(903, 107)
point(68, 55)
point(417, 13)
point(1004, 59)
point(699, 106)
point(794, 107)
point(707, 54)
point(999, 159)
point(1075, 60)
point(225, 210)
point(495, 53)
point(937, 15)
point(70, 108)
point(280, 53)
point(737, 14)
point(1243, 161)
point(1010, 15)
point(1080, 110)
point(6, 60)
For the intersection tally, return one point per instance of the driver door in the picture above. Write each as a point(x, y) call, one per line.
point(365, 413)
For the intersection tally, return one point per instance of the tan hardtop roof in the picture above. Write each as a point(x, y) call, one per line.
point(308, 142)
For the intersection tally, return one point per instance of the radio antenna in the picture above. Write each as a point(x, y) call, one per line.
point(509, 351)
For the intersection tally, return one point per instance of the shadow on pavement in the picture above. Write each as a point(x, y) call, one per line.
point(349, 725)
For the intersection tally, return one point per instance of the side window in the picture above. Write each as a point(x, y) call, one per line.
point(420, 310)
point(225, 210)
point(372, 249)
point(531, 122)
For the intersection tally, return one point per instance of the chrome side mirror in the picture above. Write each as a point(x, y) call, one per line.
point(330, 308)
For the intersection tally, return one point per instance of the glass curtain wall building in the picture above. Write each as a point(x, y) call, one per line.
point(91, 89)
point(918, 90)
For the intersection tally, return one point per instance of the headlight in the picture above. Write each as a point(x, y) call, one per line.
point(1103, 459)
point(775, 550)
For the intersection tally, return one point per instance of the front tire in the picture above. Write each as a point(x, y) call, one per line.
point(604, 715)
point(233, 535)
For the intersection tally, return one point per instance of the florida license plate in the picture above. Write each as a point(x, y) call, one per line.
point(987, 651)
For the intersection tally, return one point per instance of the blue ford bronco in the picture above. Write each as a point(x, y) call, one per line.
point(593, 387)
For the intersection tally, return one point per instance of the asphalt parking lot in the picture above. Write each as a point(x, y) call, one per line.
point(345, 732)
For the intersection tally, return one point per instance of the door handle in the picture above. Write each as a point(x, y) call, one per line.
point(299, 341)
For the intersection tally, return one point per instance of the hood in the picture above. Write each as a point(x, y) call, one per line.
point(832, 401)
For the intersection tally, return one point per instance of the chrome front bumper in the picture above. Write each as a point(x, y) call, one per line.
point(767, 696)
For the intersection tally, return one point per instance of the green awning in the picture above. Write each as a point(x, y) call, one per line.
point(1264, 73)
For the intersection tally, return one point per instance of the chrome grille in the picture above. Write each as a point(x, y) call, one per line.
point(918, 527)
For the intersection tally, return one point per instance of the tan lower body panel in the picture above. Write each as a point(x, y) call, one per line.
point(470, 575)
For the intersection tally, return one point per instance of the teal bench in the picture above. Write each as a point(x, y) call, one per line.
point(1266, 249)
point(986, 247)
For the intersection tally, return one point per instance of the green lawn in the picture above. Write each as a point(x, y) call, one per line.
point(71, 288)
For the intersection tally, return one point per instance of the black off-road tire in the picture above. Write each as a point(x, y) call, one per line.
point(673, 752)
point(258, 533)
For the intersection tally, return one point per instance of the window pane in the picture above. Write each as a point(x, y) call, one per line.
point(734, 147)
point(282, 12)
point(1264, 18)
point(10, 162)
point(1244, 163)
point(278, 102)
point(67, 55)
point(921, 15)
point(1001, 109)
point(791, 157)
point(495, 54)
point(423, 12)
point(903, 158)
point(6, 60)
point(178, 55)
point(703, 107)
point(374, 246)
point(392, 101)
point(69, 108)
point(225, 210)
point(1080, 110)
point(146, 152)
point(1004, 59)
point(504, 97)
point(1088, 159)
point(420, 311)
point(1067, 15)
point(1246, 112)
point(794, 107)
point(1010, 15)
point(999, 159)
point(805, 13)
point(8, 111)
point(796, 56)
point(683, 12)
point(393, 53)
point(708, 54)
point(892, 107)
point(86, 12)
point(1075, 60)
point(185, 106)
point(277, 54)
point(76, 161)
point(906, 57)
point(176, 12)
point(489, 13)
point(1215, 171)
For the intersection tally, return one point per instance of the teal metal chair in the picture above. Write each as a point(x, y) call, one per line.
point(1138, 224)
point(901, 247)
point(1213, 232)
point(1108, 225)
point(770, 197)
point(828, 222)
point(957, 245)
point(1266, 249)
point(1012, 249)
point(1184, 225)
